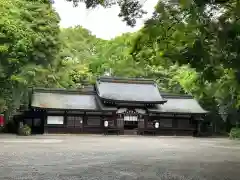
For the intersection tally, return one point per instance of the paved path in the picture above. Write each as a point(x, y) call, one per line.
point(118, 157)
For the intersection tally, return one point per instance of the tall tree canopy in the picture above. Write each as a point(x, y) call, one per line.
point(203, 35)
point(29, 37)
point(189, 46)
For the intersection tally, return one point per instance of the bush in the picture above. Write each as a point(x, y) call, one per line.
point(235, 133)
point(2, 129)
point(24, 131)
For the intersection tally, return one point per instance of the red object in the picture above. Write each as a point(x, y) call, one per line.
point(1, 120)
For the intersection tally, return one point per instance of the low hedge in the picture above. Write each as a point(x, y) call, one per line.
point(24, 131)
point(235, 133)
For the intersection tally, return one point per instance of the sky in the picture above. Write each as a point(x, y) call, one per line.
point(104, 23)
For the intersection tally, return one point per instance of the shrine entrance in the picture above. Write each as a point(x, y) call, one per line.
point(132, 119)
point(130, 122)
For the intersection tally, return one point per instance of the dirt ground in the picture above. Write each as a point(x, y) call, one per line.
point(70, 157)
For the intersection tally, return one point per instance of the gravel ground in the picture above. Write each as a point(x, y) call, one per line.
point(70, 157)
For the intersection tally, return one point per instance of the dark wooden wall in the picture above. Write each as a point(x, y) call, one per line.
point(93, 122)
point(85, 122)
point(171, 124)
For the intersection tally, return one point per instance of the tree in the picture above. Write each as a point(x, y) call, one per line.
point(194, 34)
point(202, 35)
point(78, 44)
point(114, 55)
point(29, 37)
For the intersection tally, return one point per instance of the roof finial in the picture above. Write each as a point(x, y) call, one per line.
point(108, 73)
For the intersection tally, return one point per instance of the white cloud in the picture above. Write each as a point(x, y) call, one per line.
point(104, 23)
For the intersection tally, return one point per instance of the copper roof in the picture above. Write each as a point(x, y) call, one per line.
point(51, 100)
point(129, 90)
point(179, 104)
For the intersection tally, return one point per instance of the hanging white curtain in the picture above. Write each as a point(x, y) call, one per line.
point(130, 118)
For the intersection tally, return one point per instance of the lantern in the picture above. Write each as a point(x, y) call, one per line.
point(156, 125)
point(105, 123)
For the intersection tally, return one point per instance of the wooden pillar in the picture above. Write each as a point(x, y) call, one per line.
point(114, 117)
point(122, 124)
point(45, 114)
point(175, 121)
point(65, 118)
point(65, 122)
point(84, 121)
point(146, 118)
point(102, 118)
point(194, 125)
point(175, 124)
point(198, 125)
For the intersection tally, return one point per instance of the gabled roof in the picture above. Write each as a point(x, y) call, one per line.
point(58, 99)
point(182, 104)
point(105, 107)
point(87, 100)
point(168, 95)
point(129, 90)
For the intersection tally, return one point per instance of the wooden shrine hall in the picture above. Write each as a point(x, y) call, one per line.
point(113, 105)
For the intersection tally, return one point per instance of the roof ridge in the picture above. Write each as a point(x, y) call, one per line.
point(62, 91)
point(175, 95)
point(125, 80)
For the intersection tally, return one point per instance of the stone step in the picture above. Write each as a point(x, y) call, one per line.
point(130, 132)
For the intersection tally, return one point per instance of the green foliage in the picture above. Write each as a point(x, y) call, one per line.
point(3, 106)
point(29, 42)
point(199, 37)
point(79, 49)
point(187, 47)
point(92, 57)
point(114, 56)
point(24, 131)
point(235, 133)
